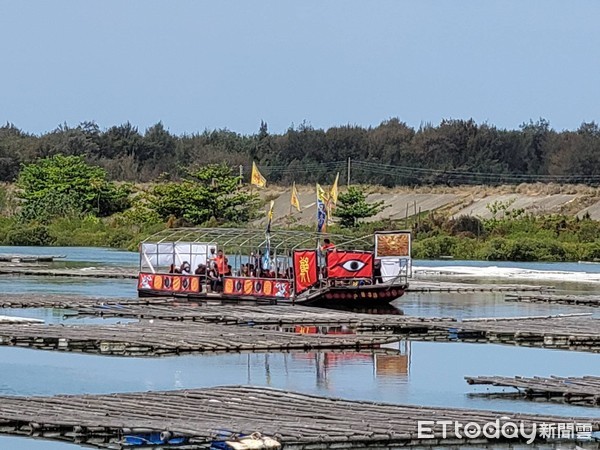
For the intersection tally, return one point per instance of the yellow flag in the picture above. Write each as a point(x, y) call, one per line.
point(256, 178)
point(270, 216)
point(294, 200)
point(333, 192)
point(321, 194)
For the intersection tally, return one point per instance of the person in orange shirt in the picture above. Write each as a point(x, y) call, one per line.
point(221, 261)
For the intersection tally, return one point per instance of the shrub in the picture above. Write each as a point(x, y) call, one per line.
point(34, 235)
point(434, 247)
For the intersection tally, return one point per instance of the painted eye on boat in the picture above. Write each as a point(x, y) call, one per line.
point(353, 265)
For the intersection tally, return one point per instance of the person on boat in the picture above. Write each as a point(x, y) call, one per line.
point(251, 270)
point(185, 268)
point(174, 269)
point(212, 277)
point(327, 245)
point(377, 277)
point(255, 259)
point(228, 271)
point(244, 270)
point(212, 256)
point(200, 270)
point(221, 262)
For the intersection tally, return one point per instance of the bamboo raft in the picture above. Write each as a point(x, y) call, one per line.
point(297, 421)
point(70, 301)
point(162, 338)
point(574, 300)
point(581, 391)
point(563, 333)
point(29, 258)
point(86, 272)
point(421, 286)
point(256, 315)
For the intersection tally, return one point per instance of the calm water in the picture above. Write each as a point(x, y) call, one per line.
point(419, 373)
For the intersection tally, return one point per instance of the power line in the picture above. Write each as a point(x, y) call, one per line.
point(421, 174)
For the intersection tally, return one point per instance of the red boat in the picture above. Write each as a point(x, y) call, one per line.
point(281, 266)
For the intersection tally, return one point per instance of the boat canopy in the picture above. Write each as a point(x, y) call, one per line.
point(233, 239)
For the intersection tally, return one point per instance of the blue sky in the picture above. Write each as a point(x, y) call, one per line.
point(199, 65)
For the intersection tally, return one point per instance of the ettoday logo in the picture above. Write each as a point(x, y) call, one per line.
point(503, 428)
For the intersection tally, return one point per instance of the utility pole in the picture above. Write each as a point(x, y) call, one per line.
point(348, 180)
point(241, 174)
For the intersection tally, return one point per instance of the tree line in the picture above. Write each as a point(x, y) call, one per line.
point(392, 153)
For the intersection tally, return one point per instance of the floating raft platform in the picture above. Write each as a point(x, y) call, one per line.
point(579, 333)
point(195, 419)
point(29, 258)
point(163, 338)
point(86, 272)
point(576, 390)
point(573, 300)
point(421, 286)
point(256, 315)
point(70, 301)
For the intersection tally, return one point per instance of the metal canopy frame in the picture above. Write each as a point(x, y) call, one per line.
point(256, 238)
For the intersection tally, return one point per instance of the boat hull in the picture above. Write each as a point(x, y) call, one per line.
point(351, 297)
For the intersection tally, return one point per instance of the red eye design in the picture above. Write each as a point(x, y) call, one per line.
point(352, 265)
point(343, 264)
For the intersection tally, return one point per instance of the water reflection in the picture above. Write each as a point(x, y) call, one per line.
point(421, 373)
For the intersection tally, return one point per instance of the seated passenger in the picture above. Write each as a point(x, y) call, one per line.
point(212, 277)
point(200, 270)
point(185, 268)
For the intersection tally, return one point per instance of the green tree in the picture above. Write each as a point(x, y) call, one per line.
point(62, 184)
point(353, 206)
point(209, 192)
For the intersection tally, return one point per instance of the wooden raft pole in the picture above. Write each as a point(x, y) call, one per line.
point(576, 390)
point(162, 338)
point(297, 421)
point(574, 300)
